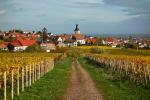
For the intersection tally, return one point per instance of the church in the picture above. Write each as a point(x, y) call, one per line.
point(80, 38)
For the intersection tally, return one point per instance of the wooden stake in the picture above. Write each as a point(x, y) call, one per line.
point(5, 94)
point(12, 84)
point(35, 71)
point(39, 71)
point(26, 76)
point(22, 79)
point(32, 73)
point(18, 81)
point(44, 66)
point(30, 76)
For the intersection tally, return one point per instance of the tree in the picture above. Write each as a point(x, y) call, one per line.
point(34, 48)
point(39, 32)
point(128, 45)
point(44, 35)
point(10, 47)
point(19, 31)
point(74, 38)
point(78, 44)
point(130, 38)
point(8, 39)
point(33, 31)
point(0, 32)
point(99, 41)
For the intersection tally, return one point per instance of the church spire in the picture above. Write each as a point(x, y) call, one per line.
point(77, 30)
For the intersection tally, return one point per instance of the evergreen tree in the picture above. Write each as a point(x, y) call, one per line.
point(44, 35)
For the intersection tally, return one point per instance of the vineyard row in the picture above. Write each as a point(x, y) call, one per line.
point(18, 73)
point(136, 68)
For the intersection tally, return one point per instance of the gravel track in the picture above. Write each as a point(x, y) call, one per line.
point(81, 85)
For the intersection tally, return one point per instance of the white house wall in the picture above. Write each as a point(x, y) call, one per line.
point(20, 48)
point(81, 41)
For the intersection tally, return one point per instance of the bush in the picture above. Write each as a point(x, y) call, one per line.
point(75, 53)
point(60, 50)
point(34, 48)
point(97, 50)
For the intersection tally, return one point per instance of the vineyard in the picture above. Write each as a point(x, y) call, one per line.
point(115, 51)
point(136, 68)
point(21, 70)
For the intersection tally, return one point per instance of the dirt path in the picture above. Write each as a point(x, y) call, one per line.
point(81, 85)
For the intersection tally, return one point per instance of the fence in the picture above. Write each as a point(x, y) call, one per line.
point(22, 77)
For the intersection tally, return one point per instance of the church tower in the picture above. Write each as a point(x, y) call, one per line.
point(77, 30)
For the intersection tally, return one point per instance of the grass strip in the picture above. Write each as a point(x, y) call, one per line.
point(52, 86)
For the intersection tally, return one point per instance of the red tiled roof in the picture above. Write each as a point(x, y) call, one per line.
point(94, 40)
point(79, 36)
point(22, 42)
point(65, 36)
point(109, 39)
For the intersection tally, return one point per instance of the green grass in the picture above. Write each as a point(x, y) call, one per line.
point(114, 86)
point(52, 86)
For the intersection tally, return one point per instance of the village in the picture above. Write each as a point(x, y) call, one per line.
point(17, 40)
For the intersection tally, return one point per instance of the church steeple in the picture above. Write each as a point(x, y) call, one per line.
point(77, 30)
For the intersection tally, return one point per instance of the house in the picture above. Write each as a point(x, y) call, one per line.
point(3, 46)
point(108, 41)
point(64, 37)
point(112, 41)
point(70, 42)
point(53, 39)
point(59, 40)
point(48, 46)
point(91, 40)
point(33, 36)
point(20, 44)
point(14, 34)
point(79, 38)
point(60, 44)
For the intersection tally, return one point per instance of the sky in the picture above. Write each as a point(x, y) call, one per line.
point(92, 16)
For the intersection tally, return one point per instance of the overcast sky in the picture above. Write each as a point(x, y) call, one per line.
point(60, 16)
